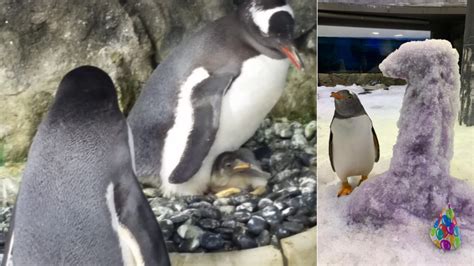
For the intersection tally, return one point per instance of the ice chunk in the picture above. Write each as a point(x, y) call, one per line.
point(418, 180)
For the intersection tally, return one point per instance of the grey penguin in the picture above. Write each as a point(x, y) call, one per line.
point(235, 171)
point(353, 143)
point(80, 202)
point(210, 95)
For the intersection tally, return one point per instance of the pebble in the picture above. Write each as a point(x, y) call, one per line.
point(272, 215)
point(281, 232)
point(200, 205)
point(288, 211)
point(180, 218)
point(188, 245)
point(280, 161)
point(264, 203)
point(298, 142)
point(187, 231)
point(229, 224)
point(293, 227)
point(227, 209)
point(310, 130)
point(209, 224)
point(211, 241)
point(245, 242)
point(264, 238)
point(237, 200)
point(167, 228)
point(222, 202)
point(285, 174)
point(162, 211)
point(280, 144)
point(246, 206)
point(242, 216)
point(280, 205)
point(225, 230)
point(283, 130)
point(212, 213)
point(256, 225)
point(199, 198)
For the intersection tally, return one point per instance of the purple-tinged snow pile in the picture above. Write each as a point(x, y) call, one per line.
point(418, 180)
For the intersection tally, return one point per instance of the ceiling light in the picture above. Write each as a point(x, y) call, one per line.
point(398, 35)
point(375, 33)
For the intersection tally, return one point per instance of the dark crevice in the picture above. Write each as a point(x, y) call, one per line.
point(135, 15)
point(301, 40)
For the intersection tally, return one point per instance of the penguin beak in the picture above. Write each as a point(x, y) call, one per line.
point(241, 166)
point(292, 54)
point(337, 95)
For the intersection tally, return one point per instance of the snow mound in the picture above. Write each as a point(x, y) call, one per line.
point(418, 181)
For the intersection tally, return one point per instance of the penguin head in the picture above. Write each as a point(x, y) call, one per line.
point(227, 165)
point(84, 87)
point(347, 104)
point(271, 24)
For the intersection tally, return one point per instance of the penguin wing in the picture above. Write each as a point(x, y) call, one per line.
point(206, 103)
point(330, 151)
point(138, 229)
point(330, 144)
point(376, 145)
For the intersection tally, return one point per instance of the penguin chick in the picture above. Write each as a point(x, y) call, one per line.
point(353, 144)
point(233, 171)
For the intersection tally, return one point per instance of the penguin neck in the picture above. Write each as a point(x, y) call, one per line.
point(340, 116)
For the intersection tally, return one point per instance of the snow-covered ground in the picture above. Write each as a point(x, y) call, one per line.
point(410, 244)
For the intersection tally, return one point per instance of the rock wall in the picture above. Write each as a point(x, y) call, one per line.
point(41, 40)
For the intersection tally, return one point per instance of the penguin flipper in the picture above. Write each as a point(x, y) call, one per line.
point(138, 224)
point(330, 151)
point(206, 102)
point(376, 145)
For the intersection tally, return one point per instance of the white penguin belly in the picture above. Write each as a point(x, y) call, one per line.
point(353, 146)
point(247, 102)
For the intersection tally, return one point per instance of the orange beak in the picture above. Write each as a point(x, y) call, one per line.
point(295, 59)
point(241, 166)
point(337, 95)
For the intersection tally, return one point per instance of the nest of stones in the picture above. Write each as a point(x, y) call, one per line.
point(208, 224)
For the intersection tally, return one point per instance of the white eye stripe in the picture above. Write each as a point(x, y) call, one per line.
point(261, 17)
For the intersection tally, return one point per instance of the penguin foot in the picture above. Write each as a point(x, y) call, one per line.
point(364, 177)
point(260, 190)
point(228, 192)
point(346, 189)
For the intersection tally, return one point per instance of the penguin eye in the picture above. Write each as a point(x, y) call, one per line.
point(228, 165)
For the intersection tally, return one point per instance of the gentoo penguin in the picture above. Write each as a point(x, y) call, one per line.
point(353, 144)
point(234, 171)
point(210, 95)
point(79, 201)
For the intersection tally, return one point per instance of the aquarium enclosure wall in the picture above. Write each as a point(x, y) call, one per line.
point(466, 116)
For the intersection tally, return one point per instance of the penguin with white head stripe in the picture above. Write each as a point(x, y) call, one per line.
point(79, 201)
point(353, 143)
point(210, 95)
